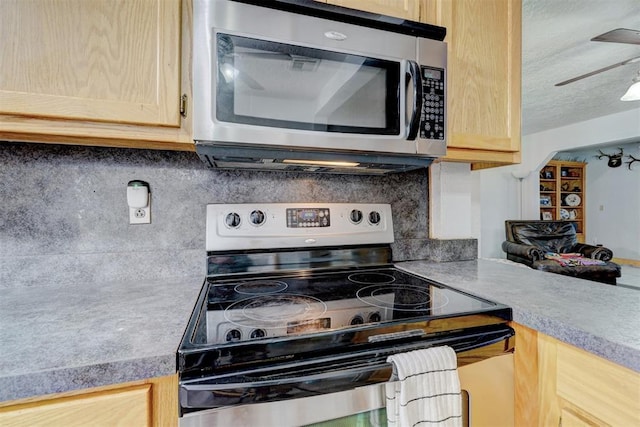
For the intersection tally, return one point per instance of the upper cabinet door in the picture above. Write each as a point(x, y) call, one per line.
point(101, 60)
point(484, 72)
point(407, 9)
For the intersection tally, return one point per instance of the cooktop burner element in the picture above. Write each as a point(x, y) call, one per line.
point(406, 297)
point(274, 310)
point(260, 287)
point(371, 278)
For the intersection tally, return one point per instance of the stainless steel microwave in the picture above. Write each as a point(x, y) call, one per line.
point(306, 86)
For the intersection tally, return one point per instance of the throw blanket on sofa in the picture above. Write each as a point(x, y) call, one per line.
point(572, 259)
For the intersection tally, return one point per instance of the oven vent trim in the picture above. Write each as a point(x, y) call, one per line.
point(252, 262)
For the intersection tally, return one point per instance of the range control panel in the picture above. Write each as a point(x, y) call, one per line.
point(296, 225)
point(432, 116)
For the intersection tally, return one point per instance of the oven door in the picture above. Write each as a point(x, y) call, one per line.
point(342, 389)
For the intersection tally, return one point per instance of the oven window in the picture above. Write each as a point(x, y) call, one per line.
point(375, 418)
point(280, 85)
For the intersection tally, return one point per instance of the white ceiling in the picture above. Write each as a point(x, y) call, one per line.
point(556, 46)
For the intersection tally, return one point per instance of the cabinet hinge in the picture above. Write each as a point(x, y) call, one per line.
point(183, 105)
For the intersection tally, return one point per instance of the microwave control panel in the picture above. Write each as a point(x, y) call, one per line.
point(432, 116)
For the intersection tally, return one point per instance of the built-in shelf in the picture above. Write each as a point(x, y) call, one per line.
point(562, 193)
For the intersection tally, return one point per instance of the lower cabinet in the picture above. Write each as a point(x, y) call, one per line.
point(559, 384)
point(489, 385)
point(152, 402)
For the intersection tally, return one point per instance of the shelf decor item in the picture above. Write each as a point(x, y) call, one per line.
point(572, 199)
point(545, 201)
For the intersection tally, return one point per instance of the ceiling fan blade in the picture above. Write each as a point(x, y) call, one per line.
point(601, 70)
point(619, 35)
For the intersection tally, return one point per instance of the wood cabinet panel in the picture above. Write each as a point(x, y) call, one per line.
point(127, 407)
point(490, 386)
point(100, 72)
point(525, 376)
point(559, 384)
point(152, 402)
point(484, 78)
point(407, 9)
point(105, 60)
point(605, 390)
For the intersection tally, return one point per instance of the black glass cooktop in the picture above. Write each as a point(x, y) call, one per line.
point(374, 286)
point(285, 305)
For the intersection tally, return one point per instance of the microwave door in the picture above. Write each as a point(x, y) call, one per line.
point(283, 86)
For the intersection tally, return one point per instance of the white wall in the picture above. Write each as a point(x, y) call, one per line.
point(500, 193)
point(450, 199)
point(612, 200)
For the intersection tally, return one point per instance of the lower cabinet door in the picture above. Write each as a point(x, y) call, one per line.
point(490, 386)
point(152, 402)
point(127, 407)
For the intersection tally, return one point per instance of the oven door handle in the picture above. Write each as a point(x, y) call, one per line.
point(325, 374)
point(333, 374)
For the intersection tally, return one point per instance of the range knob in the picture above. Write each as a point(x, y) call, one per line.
point(232, 220)
point(355, 216)
point(233, 335)
point(258, 333)
point(257, 217)
point(374, 317)
point(357, 320)
point(374, 217)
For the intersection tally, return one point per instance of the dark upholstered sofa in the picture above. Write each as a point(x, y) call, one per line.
point(528, 242)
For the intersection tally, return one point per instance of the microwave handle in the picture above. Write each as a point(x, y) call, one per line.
point(413, 72)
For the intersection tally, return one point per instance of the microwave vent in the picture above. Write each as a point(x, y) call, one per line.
point(224, 156)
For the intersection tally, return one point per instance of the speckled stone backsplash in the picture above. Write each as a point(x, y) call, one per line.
point(64, 213)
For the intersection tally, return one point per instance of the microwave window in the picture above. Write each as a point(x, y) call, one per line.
point(280, 85)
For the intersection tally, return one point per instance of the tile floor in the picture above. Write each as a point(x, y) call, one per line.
point(630, 277)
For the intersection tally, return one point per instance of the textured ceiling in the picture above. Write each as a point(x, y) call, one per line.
point(556, 46)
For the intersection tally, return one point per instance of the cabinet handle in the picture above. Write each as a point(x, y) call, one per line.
point(183, 105)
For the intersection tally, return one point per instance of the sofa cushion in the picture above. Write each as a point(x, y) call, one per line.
point(559, 237)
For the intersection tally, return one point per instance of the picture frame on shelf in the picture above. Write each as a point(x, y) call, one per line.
point(546, 216)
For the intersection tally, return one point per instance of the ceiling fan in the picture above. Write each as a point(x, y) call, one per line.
point(619, 35)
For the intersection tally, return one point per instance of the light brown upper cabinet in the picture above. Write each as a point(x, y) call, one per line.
point(99, 72)
point(407, 9)
point(484, 75)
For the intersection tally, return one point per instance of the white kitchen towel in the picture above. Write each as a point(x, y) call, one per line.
point(424, 389)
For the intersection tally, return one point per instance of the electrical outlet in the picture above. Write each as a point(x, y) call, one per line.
point(140, 215)
point(139, 201)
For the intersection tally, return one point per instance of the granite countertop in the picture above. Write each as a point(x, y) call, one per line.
point(599, 318)
point(62, 337)
point(59, 338)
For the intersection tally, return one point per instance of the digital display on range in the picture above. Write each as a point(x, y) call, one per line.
point(309, 326)
point(308, 217)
